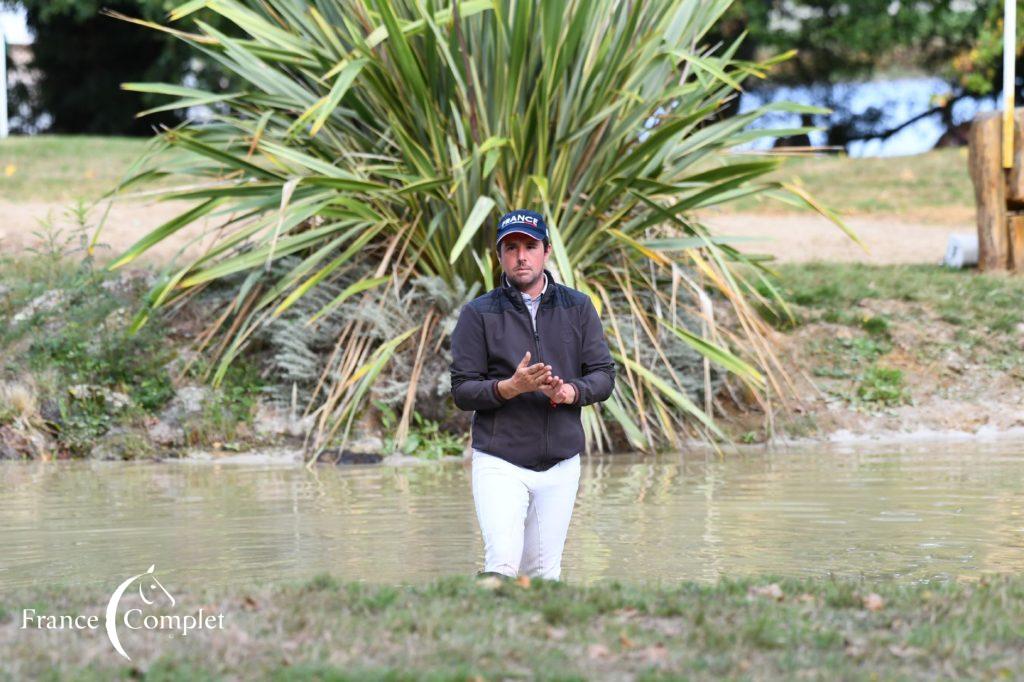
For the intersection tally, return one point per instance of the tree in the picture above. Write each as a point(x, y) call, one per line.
point(841, 40)
point(82, 57)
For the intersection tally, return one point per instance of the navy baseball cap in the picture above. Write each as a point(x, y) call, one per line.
point(525, 222)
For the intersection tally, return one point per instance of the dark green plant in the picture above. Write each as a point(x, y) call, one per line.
point(238, 393)
point(875, 325)
point(81, 424)
point(778, 317)
point(882, 385)
point(426, 438)
point(385, 137)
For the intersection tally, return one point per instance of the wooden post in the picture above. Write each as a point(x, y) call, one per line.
point(1015, 176)
point(997, 168)
point(986, 169)
point(1015, 224)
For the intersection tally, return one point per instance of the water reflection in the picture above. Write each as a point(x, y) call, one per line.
point(934, 511)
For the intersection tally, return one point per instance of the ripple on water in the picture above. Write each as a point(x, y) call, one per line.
point(912, 512)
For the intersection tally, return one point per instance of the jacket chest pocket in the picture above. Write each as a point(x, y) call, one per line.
point(564, 354)
point(506, 345)
point(570, 336)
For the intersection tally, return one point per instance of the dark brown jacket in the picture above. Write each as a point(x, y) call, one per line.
point(491, 336)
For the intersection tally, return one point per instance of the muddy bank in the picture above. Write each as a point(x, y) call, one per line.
point(895, 353)
point(887, 352)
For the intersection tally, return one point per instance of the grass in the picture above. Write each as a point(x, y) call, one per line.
point(929, 187)
point(981, 302)
point(882, 385)
point(426, 437)
point(458, 628)
point(63, 168)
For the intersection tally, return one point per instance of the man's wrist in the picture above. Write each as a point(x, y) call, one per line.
point(506, 389)
point(559, 397)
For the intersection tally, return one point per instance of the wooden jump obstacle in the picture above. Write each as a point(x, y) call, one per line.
point(998, 192)
point(997, 167)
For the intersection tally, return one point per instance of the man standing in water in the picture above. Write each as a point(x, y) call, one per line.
point(526, 357)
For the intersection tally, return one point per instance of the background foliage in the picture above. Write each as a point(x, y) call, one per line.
point(83, 56)
point(837, 41)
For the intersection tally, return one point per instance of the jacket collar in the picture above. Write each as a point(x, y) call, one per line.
point(516, 295)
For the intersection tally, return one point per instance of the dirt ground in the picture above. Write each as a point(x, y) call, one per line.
point(33, 223)
point(802, 237)
point(952, 392)
point(797, 237)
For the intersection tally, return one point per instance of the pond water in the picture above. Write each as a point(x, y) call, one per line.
point(934, 511)
point(894, 101)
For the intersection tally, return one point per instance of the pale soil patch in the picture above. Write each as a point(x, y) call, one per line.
point(800, 238)
point(940, 216)
point(24, 223)
point(790, 238)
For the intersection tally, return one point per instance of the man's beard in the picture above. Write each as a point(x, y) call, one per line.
point(515, 279)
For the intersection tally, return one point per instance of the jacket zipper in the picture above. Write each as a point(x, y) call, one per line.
point(536, 345)
point(536, 340)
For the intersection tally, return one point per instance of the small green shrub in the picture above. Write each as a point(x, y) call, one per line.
point(875, 325)
point(426, 438)
point(856, 351)
point(882, 385)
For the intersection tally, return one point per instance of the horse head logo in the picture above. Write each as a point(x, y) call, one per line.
point(150, 591)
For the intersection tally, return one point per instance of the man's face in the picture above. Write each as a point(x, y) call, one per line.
point(523, 259)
